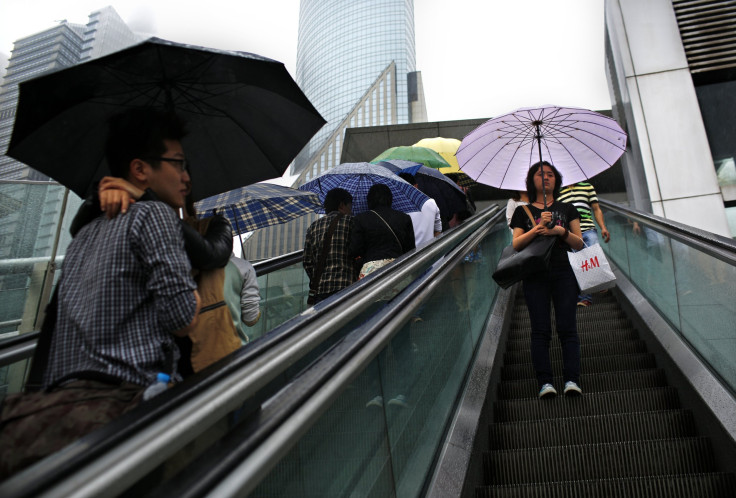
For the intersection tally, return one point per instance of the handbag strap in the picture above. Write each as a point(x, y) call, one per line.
point(314, 284)
point(529, 213)
point(401, 246)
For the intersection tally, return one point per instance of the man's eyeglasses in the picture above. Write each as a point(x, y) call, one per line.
point(181, 164)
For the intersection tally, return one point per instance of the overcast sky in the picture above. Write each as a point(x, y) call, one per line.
point(478, 58)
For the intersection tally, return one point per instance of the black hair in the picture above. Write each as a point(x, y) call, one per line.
point(335, 197)
point(379, 195)
point(531, 190)
point(139, 134)
point(408, 177)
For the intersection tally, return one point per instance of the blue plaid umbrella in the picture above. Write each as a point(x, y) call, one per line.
point(358, 178)
point(258, 206)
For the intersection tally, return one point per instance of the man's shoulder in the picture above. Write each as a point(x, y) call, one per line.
point(152, 215)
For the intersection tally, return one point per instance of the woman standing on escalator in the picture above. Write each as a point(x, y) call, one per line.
point(545, 216)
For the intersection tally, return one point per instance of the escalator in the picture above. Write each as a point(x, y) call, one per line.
point(416, 382)
point(628, 436)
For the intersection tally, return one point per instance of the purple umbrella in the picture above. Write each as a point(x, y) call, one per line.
point(578, 142)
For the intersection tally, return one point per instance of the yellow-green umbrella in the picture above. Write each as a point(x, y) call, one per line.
point(445, 147)
point(422, 155)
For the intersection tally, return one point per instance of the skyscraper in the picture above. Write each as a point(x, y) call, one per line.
point(344, 48)
point(63, 45)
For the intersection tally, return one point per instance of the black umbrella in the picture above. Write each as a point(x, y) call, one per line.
point(449, 197)
point(246, 117)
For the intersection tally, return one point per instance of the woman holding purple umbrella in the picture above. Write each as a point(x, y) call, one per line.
point(558, 283)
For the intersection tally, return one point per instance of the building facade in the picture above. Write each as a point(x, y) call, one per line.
point(672, 76)
point(344, 49)
point(62, 46)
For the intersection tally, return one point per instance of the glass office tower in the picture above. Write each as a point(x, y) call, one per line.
point(344, 46)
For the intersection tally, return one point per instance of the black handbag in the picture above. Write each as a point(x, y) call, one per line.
point(514, 266)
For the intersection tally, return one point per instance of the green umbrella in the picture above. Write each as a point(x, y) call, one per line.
point(422, 155)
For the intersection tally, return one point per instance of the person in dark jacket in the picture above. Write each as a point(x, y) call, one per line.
point(381, 234)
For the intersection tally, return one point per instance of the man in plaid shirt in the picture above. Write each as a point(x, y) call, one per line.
point(125, 291)
point(338, 271)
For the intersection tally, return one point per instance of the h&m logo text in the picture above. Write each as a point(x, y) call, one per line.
point(589, 264)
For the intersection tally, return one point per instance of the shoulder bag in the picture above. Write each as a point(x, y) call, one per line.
point(514, 266)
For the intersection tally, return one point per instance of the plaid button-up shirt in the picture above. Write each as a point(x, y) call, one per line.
point(125, 287)
point(338, 272)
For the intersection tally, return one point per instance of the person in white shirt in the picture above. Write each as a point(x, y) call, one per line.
point(427, 222)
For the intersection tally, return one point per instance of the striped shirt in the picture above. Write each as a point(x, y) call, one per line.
point(582, 195)
point(125, 286)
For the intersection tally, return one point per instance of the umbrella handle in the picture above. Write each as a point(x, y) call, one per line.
point(541, 165)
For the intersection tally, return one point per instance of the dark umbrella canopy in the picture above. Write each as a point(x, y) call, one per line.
point(449, 197)
point(246, 117)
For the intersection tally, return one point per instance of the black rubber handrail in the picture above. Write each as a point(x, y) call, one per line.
point(715, 245)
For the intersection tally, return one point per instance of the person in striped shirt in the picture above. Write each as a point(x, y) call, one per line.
point(583, 196)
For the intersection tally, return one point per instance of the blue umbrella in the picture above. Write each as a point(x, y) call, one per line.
point(358, 178)
point(259, 205)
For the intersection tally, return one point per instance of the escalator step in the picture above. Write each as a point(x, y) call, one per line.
point(599, 461)
point(599, 310)
point(586, 351)
point(611, 428)
point(591, 365)
point(587, 325)
point(590, 383)
point(714, 485)
point(522, 341)
point(660, 398)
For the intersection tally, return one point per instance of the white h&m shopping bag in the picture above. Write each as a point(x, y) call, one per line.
point(592, 269)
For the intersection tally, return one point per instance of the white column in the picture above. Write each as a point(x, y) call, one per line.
point(662, 114)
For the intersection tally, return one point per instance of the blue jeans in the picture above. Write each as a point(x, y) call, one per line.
point(590, 237)
point(559, 286)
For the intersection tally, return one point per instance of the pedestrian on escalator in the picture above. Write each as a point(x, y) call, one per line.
point(125, 293)
point(327, 260)
point(582, 195)
point(557, 284)
point(381, 234)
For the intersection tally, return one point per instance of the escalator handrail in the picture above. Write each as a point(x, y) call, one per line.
point(296, 408)
point(270, 265)
point(20, 347)
point(127, 445)
point(713, 244)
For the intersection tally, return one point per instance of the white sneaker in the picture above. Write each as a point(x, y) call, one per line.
point(399, 401)
point(548, 391)
point(377, 402)
point(572, 389)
